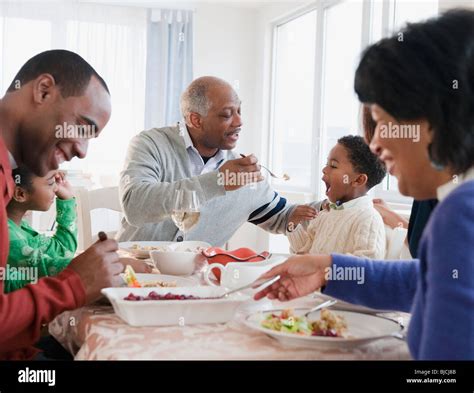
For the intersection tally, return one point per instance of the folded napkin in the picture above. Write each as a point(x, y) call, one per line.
point(218, 255)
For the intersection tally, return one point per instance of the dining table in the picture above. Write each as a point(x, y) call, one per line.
point(95, 332)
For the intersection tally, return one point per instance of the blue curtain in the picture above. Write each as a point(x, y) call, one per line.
point(169, 67)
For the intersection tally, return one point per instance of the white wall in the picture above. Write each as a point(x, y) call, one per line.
point(224, 46)
point(447, 4)
point(235, 44)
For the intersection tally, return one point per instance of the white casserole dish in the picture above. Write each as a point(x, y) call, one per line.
point(174, 312)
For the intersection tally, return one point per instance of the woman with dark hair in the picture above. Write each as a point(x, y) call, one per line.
point(420, 210)
point(420, 88)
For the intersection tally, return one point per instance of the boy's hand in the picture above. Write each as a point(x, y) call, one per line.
point(64, 189)
point(325, 205)
point(299, 214)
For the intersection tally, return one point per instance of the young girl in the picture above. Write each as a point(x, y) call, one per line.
point(28, 249)
point(39, 254)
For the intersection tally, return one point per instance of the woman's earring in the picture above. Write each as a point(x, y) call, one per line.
point(435, 164)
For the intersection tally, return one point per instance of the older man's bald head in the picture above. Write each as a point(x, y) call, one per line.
point(198, 96)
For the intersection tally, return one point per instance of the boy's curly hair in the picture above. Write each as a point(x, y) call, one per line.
point(363, 160)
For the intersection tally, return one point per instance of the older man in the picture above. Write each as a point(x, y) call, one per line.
point(53, 87)
point(197, 156)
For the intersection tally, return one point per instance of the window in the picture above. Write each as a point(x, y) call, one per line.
point(339, 103)
point(117, 50)
point(412, 11)
point(18, 50)
point(313, 103)
point(112, 39)
point(399, 13)
point(293, 99)
point(315, 55)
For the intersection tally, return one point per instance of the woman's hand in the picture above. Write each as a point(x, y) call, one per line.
point(300, 276)
point(63, 187)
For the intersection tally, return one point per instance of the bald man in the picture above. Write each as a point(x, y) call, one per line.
point(197, 154)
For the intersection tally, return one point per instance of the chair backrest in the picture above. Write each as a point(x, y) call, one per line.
point(395, 242)
point(87, 201)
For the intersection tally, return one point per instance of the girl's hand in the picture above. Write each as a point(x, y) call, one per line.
point(63, 187)
point(389, 217)
point(137, 265)
point(379, 202)
point(300, 276)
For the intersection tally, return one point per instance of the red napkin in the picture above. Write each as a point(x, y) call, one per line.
point(225, 256)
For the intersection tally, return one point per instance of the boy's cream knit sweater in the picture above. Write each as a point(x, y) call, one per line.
point(357, 229)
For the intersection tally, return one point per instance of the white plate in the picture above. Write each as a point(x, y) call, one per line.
point(363, 328)
point(174, 312)
point(180, 281)
point(139, 253)
point(345, 306)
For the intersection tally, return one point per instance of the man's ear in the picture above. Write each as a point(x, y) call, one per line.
point(44, 88)
point(360, 180)
point(195, 120)
point(20, 195)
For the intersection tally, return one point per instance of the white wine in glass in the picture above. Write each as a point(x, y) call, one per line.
point(185, 220)
point(186, 213)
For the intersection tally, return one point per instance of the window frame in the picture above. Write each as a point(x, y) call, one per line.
point(271, 113)
point(318, 136)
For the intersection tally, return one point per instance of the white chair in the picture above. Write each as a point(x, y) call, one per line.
point(396, 248)
point(87, 201)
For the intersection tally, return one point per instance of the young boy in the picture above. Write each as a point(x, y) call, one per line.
point(28, 249)
point(346, 222)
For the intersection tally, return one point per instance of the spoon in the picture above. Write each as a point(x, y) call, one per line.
point(284, 177)
point(327, 303)
point(264, 281)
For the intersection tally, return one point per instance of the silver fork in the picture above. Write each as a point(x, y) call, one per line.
point(327, 303)
point(258, 283)
point(284, 177)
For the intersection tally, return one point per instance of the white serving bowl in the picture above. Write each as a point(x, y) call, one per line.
point(174, 312)
point(175, 263)
point(179, 262)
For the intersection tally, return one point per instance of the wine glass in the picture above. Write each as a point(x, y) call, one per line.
point(185, 213)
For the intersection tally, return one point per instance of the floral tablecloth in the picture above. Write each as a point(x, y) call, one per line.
point(96, 333)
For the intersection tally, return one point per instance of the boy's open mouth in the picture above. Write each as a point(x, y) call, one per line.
point(328, 186)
